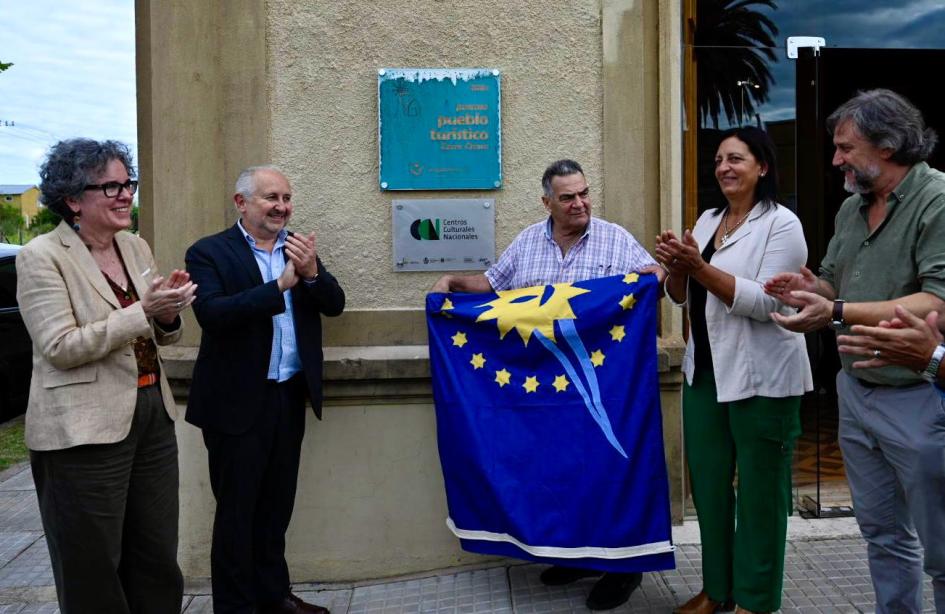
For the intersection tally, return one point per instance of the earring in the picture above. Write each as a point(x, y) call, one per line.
point(75, 222)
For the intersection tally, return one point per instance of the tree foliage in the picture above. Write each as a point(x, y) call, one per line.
point(44, 221)
point(5, 65)
point(733, 43)
point(11, 221)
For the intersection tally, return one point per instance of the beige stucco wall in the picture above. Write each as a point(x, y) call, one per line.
point(323, 61)
point(370, 500)
point(227, 83)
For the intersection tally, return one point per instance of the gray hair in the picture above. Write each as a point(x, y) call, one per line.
point(246, 181)
point(560, 168)
point(888, 121)
point(71, 165)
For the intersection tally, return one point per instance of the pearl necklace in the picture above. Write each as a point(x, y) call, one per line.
point(726, 231)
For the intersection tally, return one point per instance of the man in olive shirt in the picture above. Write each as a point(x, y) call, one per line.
point(888, 249)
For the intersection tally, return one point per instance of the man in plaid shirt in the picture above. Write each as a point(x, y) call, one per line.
point(568, 246)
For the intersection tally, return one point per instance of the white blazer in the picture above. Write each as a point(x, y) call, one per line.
point(751, 354)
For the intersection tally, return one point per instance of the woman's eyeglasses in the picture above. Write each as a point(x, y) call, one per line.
point(111, 189)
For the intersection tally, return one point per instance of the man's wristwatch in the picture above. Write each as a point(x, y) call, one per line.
point(836, 320)
point(931, 372)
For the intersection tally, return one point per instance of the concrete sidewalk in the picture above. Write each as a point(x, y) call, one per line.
point(825, 571)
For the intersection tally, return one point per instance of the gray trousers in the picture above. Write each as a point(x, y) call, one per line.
point(893, 443)
point(110, 516)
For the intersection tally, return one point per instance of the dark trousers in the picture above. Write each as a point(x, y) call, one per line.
point(253, 476)
point(110, 516)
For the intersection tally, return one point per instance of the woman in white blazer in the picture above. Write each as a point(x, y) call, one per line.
point(745, 376)
point(99, 423)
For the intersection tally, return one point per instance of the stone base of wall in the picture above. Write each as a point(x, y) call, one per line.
point(370, 500)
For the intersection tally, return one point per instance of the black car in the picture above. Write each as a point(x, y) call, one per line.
point(16, 350)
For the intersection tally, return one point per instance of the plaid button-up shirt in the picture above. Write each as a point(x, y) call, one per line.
point(534, 259)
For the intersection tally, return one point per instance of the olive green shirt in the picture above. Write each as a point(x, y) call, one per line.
point(904, 255)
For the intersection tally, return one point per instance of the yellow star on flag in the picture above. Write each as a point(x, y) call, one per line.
point(629, 278)
point(447, 304)
point(503, 377)
point(627, 302)
point(617, 333)
point(459, 339)
point(531, 384)
point(477, 361)
point(561, 383)
point(597, 358)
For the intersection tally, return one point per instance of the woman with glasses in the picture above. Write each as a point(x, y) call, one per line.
point(99, 424)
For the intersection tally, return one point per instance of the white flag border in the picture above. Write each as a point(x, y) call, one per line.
point(594, 552)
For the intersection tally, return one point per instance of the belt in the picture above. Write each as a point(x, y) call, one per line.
point(148, 379)
point(866, 384)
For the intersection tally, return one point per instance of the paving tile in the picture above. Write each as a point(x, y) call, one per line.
point(19, 511)
point(199, 604)
point(30, 569)
point(21, 479)
point(843, 563)
point(337, 601)
point(40, 608)
point(529, 595)
point(485, 590)
point(685, 581)
point(12, 543)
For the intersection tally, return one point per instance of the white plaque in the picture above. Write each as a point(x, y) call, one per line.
point(443, 234)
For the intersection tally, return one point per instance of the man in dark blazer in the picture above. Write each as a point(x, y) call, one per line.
point(261, 293)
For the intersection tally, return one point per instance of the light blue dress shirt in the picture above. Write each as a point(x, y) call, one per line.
point(284, 360)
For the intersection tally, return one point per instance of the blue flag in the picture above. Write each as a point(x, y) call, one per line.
point(549, 425)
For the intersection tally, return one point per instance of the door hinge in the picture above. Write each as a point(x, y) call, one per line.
point(795, 42)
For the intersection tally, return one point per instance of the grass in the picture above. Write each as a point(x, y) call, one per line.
point(12, 444)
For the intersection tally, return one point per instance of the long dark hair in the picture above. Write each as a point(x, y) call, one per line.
point(762, 148)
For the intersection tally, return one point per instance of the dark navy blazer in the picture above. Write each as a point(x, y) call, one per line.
point(235, 308)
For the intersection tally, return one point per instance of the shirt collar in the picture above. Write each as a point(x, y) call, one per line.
point(280, 238)
point(549, 226)
point(909, 184)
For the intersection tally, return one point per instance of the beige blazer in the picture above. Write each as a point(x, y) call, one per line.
point(85, 376)
point(752, 355)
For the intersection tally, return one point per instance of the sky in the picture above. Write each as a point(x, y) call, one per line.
point(888, 24)
point(74, 72)
point(73, 75)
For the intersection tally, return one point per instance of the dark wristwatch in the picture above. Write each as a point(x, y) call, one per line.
point(836, 320)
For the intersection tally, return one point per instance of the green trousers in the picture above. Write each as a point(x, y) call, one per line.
point(743, 533)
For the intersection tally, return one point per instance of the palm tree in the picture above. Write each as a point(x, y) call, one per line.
point(733, 45)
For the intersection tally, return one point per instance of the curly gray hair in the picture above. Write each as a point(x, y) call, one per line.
point(888, 121)
point(73, 164)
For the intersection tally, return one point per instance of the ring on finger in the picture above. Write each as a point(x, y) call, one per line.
point(877, 353)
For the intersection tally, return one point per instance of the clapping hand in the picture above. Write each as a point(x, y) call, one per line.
point(782, 285)
point(679, 257)
point(906, 340)
point(164, 299)
point(301, 250)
